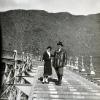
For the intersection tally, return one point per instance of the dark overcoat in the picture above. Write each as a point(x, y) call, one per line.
point(47, 64)
point(60, 58)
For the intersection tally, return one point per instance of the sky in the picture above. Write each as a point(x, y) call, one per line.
point(76, 7)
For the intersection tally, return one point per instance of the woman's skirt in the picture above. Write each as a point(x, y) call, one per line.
point(47, 68)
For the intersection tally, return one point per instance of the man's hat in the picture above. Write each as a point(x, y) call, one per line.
point(60, 43)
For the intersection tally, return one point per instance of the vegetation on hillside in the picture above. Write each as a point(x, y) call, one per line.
point(33, 30)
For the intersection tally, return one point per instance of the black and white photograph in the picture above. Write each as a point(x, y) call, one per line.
point(49, 49)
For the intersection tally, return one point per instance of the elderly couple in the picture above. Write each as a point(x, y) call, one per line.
point(59, 60)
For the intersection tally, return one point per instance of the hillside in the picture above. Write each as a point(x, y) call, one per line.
point(33, 30)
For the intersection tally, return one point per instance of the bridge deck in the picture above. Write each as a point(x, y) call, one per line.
point(74, 87)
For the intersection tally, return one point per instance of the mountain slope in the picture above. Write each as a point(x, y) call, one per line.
point(33, 30)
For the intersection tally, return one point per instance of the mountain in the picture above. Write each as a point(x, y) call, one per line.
point(33, 30)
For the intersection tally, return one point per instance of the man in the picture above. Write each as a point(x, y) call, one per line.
point(59, 61)
point(47, 64)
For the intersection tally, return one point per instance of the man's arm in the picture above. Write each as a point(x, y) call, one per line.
point(65, 57)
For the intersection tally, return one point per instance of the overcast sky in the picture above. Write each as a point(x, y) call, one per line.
point(77, 7)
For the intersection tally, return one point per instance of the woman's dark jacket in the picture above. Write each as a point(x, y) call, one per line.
point(47, 64)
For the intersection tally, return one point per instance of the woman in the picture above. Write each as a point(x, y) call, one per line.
point(47, 64)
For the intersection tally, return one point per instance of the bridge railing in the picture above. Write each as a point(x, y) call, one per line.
point(22, 63)
point(87, 66)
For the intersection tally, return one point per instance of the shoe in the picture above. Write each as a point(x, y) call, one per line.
point(46, 80)
point(43, 81)
point(58, 83)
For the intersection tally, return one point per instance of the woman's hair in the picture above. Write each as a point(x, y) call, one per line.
point(49, 47)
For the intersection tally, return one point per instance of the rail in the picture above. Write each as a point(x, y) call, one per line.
point(88, 67)
point(10, 81)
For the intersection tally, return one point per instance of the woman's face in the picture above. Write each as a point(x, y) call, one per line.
point(48, 49)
